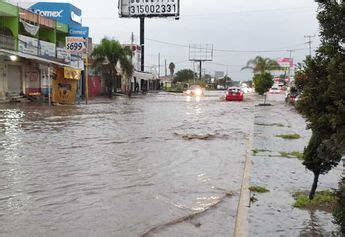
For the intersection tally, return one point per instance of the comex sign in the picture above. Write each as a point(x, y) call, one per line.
point(56, 14)
point(75, 17)
point(49, 13)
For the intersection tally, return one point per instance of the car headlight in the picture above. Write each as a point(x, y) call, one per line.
point(198, 92)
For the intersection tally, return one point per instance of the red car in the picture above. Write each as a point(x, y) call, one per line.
point(234, 93)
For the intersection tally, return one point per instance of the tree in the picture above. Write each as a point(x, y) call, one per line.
point(323, 103)
point(225, 81)
point(172, 69)
point(207, 77)
point(106, 57)
point(263, 82)
point(184, 75)
point(339, 212)
point(260, 65)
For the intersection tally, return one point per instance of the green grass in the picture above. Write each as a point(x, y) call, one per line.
point(258, 189)
point(323, 200)
point(270, 124)
point(297, 154)
point(289, 136)
point(256, 151)
point(294, 154)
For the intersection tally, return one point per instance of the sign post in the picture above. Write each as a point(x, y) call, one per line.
point(142, 42)
point(142, 9)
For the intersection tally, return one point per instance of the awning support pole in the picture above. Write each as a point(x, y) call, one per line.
point(49, 86)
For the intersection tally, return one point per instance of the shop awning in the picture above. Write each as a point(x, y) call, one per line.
point(72, 74)
point(143, 75)
point(33, 57)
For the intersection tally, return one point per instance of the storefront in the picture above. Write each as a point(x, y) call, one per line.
point(64, 86)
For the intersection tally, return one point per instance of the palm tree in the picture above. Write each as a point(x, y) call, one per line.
point(106, 57)
point(260, 65)
point(172, 69)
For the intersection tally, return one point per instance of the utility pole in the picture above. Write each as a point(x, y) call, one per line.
point(309, 41)
point(200, 72)
point(165, 67)
point(130, 79)
point(132, 42)
point(142, 42)
point(290, 59)
point(159, 65)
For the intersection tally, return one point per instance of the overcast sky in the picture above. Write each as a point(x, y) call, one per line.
point(246, 25)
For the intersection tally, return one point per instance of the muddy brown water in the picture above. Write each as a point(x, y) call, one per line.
point(159, 165)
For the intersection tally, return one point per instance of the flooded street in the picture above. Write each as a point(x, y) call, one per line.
point(160, 165)
point(273, 213)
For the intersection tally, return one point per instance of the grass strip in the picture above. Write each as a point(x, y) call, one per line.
point(256, 151)
point(258, 189)
point(294, 154)
point(323, 200)
point(270, 124)
point(289, 136)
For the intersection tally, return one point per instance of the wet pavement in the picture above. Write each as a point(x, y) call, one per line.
point(159, 165)
point(273, 214)
point(155, 165)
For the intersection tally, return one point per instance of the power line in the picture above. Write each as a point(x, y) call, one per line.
point(309, 42)
point(168, 43)
point(227, 65)
point(280, 10)
point(248, 11)
point(229, 50)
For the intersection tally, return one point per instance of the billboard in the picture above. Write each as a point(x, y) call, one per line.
point(219, 74)
point(145, 8)
point(285, 62)
point(62, 12)
point(76, 45)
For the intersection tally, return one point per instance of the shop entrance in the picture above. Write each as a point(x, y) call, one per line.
point(14, 80)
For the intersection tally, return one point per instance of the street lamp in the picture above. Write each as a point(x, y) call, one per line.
point(13, 58)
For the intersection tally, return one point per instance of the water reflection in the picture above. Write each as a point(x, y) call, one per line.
point(313, 227)
point(119, 166)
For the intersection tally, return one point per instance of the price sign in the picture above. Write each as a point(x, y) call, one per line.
point(149, 8)
point(76, 45)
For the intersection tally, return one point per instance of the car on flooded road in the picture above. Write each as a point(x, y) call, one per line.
point(234, 94)
point(194, 90)
point(275, 90)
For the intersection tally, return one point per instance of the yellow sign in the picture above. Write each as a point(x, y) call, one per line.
point(73, 74)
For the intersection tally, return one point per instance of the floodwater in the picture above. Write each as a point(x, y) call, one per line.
point(157, 165)
point(273, 213)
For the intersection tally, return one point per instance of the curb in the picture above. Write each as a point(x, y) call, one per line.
point(241, 225)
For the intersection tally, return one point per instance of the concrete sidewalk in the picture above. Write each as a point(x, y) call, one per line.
point(273, 213)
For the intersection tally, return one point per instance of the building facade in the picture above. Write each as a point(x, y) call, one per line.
point(34, 61)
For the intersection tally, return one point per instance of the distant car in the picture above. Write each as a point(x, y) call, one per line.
point(245, 89)
point(275, 90)
point(234, 93)
point(195, 90)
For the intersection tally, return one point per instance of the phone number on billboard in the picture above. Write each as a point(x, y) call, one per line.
point(143, 8)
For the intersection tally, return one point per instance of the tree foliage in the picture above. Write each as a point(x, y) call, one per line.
point(339, 212)
point(106, 57)
point(323, 103)
point(172, 69)
point(263, 82)
point(225, 81)
point(260, 65)
point(184, 75)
